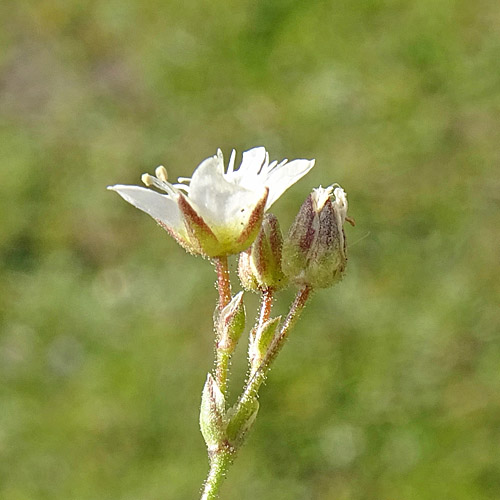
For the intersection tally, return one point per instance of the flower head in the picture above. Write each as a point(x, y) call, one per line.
point(216, 212)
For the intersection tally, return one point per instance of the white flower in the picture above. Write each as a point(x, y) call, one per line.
point(216, 212)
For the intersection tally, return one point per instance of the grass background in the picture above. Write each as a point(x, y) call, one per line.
point(389, 388)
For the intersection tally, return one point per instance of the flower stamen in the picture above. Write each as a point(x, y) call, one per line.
point(320, 196)
point(160, 183)
point(147, 180)
point(182, 187)
point(161, 173)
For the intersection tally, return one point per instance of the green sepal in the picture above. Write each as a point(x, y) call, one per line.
point(212, 414)
point(231, 323)
point(261, 341)
point(240, 420)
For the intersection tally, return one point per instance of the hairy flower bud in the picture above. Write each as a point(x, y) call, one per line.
point(260, 342)
point(259, 267)
point(240, 421)
point(314, 252)
point(231, 324)
point(212, 414)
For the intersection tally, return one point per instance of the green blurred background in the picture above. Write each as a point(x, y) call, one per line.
point(390, 386)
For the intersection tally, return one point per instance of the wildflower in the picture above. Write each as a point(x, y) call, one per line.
point(216, 212)
point(314, 252)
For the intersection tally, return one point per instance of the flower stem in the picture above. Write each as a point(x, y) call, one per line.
point(266, 302)
point(255, 381)
point(219, 465)
point(265, 306)
point(292, 317)
point(222, 457)
point(223, 281)
point(224, 288)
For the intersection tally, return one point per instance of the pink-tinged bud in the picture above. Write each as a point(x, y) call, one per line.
point(259, 267)
point(314, 252)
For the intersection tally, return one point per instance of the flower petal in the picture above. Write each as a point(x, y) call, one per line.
point(159, 206)
point(219, 201)
point(281, 177)
point(239, 232)
point(254, 221)
point(252, 161)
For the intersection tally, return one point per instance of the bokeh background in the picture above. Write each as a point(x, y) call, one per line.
point(389, 388)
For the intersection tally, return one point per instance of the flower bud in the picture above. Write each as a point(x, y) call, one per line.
point(231, 324)
point(212, 413)
point(240, 420)
point(314, 252)
point(261, 341)
point(259, 267)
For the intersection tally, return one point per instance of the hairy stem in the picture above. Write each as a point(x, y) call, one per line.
point(219, 465)
point(266, 302)
point(223, 281)
point(222, 457)
point(255, 381)
point(265, 306)
point(224, 288)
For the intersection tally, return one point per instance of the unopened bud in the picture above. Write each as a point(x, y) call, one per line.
point(212, 413)
point(240, 421)
point(261, 341)
point(259, 267)
point(314, 252)
point(231, 324)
